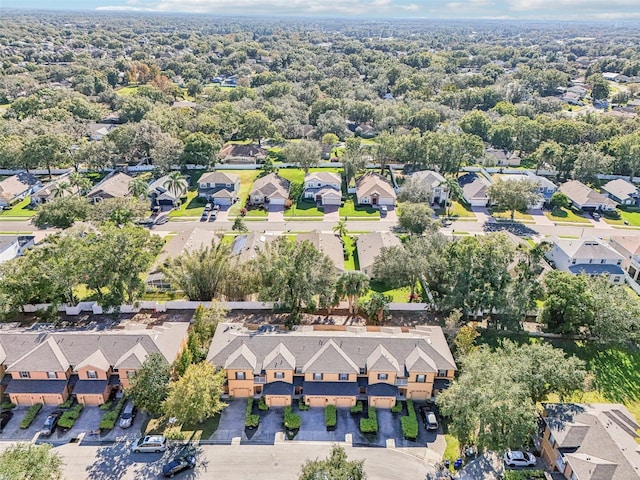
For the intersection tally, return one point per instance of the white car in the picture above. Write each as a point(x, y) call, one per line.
point(150, 443)
point(516, 458)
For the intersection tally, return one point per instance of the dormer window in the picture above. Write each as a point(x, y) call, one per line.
point(52, 375)
point(92, 374)
point(343, 377)
point(24, 375)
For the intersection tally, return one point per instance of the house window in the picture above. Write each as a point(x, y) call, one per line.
point(298, 370)
point(442, 373)
point(363, 370)
point(383, 376)
point(343, 377)
point(603, 261)
point(115, 370)
point(52, 375)
point(240, 376)
point(24, 375)
point(92, 374)
point(421, 378)
point(573, 262)
point(131, 373)
point(616, 279)
point(591, 260)
point(317, 376)
point(279, 375)
point(619, 262)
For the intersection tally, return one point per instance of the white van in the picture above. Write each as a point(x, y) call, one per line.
point(150, 443)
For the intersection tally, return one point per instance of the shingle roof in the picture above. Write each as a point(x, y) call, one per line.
point(332, 351)
point(232, 150)
point(14, 185)
point(620, 189)
point(279, 357)
point(90, 386)
point(381, 360)
point(474, 186)
point(46, 357)
point(323, 177)
point(596, 269)
point(382, 390)
point(247, 246)
point(218, 178)
point(326, 243)
point(580, 194)
point(277, 388)
point(589, 467)
point(114, 186)
point(373, 183)
point(17, 385)
point(370, 245)
point(631, 243)
point(271, 186)
point(586, 248)
point(241, 359)
point(430, 177)
point(96, 359)
point(346, 389)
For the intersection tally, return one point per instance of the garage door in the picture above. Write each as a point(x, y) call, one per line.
point(241, 392)
point(316, 401)
point(21, 399)
point(345, 401)
point(91, 399)
point(382, 402)
point(331, 200)
point(277, 201)
point(273, 401)
point(52, 399)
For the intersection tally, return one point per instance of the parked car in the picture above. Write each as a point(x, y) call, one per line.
point(383, 209)
point(204, 217)
point(128, 414)
point(213, 216)
point(179, 464)
point(4, 419)
point(216, 207)
point(517, 458)
point(150, 443)
point(429, 418)
point(162, 220)
point(50, 424)
point(208, 207)
point(595, 215)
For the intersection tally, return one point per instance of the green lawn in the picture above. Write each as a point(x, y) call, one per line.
point(126, 91)
point(304, 208)
point(398, 295)
point(257, 213)
point(191, 432)
point(457, 209)
point(500, 213)
point(350, 209)
point(351, 263)
point(630, 215)
point(192, 206)
point(21, 209)
point(247, 177)
point(565, 215)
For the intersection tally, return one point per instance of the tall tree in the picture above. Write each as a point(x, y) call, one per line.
point(176, 184)
point(305, 154)
point(139, 188)
point(62, 212)
point(417, 218)
point(46, 150)
point(256, 126)
point(196, 396)
point(149, 388)
point(200, 149)
point(26, 461)
point(119, 210)
point(352, 285)
point(376, 307)
point(514, 195)
point(335, 467)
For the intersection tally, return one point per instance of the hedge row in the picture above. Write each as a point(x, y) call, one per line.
point(262, 404)
point(330, 415)
point(109, 419)
point(357, 408)
point(251, 420)
point(7, 406)
point(30, 415)
point(68, 418)
point(370, 424)
point(410, 422)
point(67, 403)
point(397, 408)
point(292, 421)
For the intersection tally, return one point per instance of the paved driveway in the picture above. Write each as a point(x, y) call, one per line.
point(276, 213)
point(12, 430)
point(314, 429)
point(332, 213)
point(231, 423)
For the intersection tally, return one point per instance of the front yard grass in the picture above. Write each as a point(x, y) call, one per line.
point(458, 210)
point(506, 214)
point(192, 206)
point(350, 209)
point(247, 177)
point(21, 209)
point(191, 432)
point(304, 208)
point(565, 215)
point(629, 214)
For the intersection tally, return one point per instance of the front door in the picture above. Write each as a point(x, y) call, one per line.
point(374, 200)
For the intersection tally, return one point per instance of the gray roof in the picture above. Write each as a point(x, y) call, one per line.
point(19, 385)
point(247, 246)
point(90, 386)
point(277, 388)
point(382, 390)
point(328, 244)
point(621, 189)
point(218, 178)
point(271, 186)
point(596, 269)
point(314, 351)
point(346, 389)
point(51, 351)
point(594, 438)
point(430, 177)
point(325, 177)
point(370, 245)
point(6, 241)
point(474, 185)
point(587, 248)
point(112, 187)
point(581, 195)
point(373, 183)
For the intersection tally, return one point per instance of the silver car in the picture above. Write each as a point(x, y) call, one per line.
point(150, 443)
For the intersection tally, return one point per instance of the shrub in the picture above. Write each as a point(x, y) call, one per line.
point(30, 415)
point(303, 407)
point(330, 416)
point(7, 406)
point(109, 419)
point(397, 408)
point(292, 421)
point(250, 420)
point(106, 405)
point(523, 474)
point(357, 408)
point(66, 404)
point(262, 404)
point(370, 424)
point(410, 422)
point(68, 418)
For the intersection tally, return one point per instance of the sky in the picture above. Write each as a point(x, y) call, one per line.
point(495, 9)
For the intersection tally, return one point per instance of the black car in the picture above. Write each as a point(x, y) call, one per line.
point(179, 464)
point(4, 419)
point(50, 424)
point(428, 418)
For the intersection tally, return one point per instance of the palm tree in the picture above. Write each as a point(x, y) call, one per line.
point(352, 285)
point(60, 189)
point(341, 228)
point(377, 307)
point(176, 184)
point(81, 183)
point(139, 188)
point(455, 191)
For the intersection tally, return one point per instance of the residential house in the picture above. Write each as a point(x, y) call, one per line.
point(48, 367)
point(611, 76)
point(546, 188)
point(184, 104)
point(328, 244)
point(248, 246)
point(97, 131)
point(161, 195)
point(375, 190)
point(475, 188)
point(579, 90)
point(587, 255)
point(590, 441)
point(17, 187)
point(369, 247)
point(333, 367)
point(242, 154)
point(435, 183)
point(113, 186)
point(585, 198)
point(503, 158)
point(323, 187)
point(12, 246)
point(50, 190)
point(622, 191)
point(629, 247)
point(219, 188)
point(270, 189)
point(366, 131)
